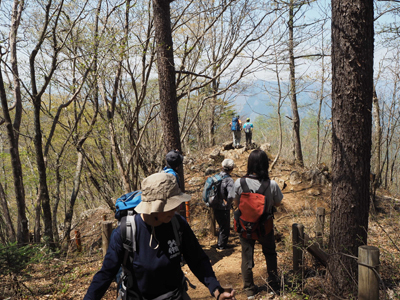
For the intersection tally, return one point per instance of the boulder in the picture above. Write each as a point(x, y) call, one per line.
point(210, 171)
point(196, 181)
point(295, 178)
point(215, 153)
point(227, 146)
point(266, 147)
point(314, 192)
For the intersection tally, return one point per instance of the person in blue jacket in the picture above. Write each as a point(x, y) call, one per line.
point(248, 130)
point(174, 159)
point(155, 266)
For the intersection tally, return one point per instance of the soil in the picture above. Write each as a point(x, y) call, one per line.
point(69, 278)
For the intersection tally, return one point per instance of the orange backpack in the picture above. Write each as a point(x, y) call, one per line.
point(251, 219)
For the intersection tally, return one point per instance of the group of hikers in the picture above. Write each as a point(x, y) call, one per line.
point(162, 239)
point(236, 128)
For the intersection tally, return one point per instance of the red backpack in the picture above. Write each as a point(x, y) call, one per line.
point(251, 219)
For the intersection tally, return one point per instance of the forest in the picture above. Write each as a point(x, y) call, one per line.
point(95, 93)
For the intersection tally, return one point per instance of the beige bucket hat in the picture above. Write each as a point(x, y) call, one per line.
point(160, 193)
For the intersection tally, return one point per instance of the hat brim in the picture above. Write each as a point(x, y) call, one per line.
point(158, 205)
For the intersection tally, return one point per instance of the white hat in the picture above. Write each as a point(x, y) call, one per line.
point(228, 164)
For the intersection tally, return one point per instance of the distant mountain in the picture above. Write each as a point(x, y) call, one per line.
point(261, 98)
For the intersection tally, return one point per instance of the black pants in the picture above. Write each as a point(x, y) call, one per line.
point(268, 248)
point(248, 139)
point(223, 218)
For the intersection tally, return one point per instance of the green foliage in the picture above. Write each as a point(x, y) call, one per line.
point(14, 258)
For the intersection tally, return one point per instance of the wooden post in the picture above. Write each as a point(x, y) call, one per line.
point(78, 240)
point(319, 226)
point(213, 226)
point(297, 242)
point(368, 280)
point(315, 250)
point(106, 229)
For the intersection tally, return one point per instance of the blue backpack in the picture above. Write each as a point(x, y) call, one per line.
point(126, 203)
point(211, 190)
point(235, 124)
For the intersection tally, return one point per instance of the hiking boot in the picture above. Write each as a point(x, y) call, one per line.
point(252, 292)
point(275, 287)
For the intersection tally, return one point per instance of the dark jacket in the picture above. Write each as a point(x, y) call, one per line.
point(157, 271)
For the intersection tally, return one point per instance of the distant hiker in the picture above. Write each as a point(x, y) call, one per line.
point(236, 127)
point(256, 186)
point(222, 208)
point(173, 159)
point(248, 130)
point(154, 265)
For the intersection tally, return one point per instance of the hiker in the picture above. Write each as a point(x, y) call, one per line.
point(174, 159)
point(223, 207)
point(257, 176)
point(236, 127)
point(248, 130)
point(155, 263)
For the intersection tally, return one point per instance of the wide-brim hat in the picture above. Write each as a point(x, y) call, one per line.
point(160, 193)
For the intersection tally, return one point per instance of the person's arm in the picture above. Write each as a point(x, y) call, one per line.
point(276, 194)
point(238, 192)
point(230, 188)
point(111, 264)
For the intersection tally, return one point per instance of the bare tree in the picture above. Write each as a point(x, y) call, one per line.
point(13, 129)
point(298, 154)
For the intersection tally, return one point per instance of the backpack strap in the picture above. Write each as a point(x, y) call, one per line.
point(263, 187)
point(244, 185)
point(128, 231)
point(261, 190)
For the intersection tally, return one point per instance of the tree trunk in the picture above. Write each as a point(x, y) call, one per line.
point(352, 91)
point(166, 77)
point(278, 81)
point(22, 222)
point(6, 215)
point(321, 101)
point(13, 130)
point(166, 74)
point(378, 140)
point(166, 82)
point(293, 96)
point(43, 196)
point(38, 227)
point(74, 194)
point(56, 202)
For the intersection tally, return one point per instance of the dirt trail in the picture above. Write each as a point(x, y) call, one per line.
point(299, 205)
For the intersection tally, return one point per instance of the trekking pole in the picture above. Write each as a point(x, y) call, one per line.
point(187, 205)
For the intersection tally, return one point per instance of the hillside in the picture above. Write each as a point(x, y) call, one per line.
point(304, 191)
